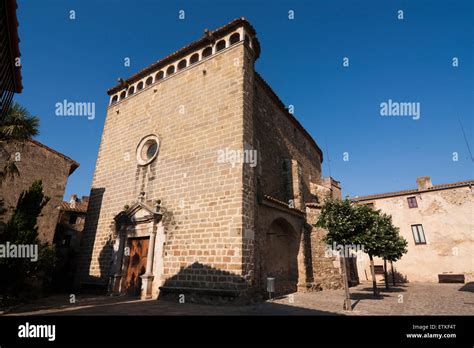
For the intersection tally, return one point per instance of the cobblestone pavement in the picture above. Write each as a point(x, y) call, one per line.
point(406, 299)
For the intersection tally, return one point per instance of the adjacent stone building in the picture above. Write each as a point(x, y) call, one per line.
point(205, 183)
point(36, 161)
point(437, 222)
point(67, 239)
point(71, 221)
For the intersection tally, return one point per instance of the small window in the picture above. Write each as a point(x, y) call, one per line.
point(151, 150)
point(122, 95)
point(207, 52)
point(194, 58)
point(149, 81)
point(131, 90)
point(418, 234)
point(147, 150)
point(182, 64)
point(114, 99)
point(220, 46)
point(140, 86)
point(170, 70)
point(234, 38)
point(370, 205)
point(159, 76)
point(247, 40)
point(73, 219)
point(412, 202)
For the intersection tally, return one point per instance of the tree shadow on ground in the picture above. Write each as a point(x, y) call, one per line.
point(467, 287)
point(398, 288)
point(399, 277)
point(367, 293)
point(367, 296)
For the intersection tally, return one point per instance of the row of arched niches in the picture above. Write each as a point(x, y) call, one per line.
point(180, 64)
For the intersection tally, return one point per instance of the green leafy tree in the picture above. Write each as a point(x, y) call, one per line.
point(22, 229)
point(380, 238)
point(17, 127)
point(339, 218)
point(349, 223)
point(395, 247)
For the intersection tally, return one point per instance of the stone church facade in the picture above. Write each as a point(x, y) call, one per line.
point(205, 183)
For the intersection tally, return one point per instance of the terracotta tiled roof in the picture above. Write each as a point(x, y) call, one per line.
point(314, 205)
point(74, 164)
point(282, 204)
point(204, 41)
point(79, 207)
point(413, 191)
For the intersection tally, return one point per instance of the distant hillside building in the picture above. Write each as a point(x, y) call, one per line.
point(36, 161)
point(437, 222)
point(205, 183)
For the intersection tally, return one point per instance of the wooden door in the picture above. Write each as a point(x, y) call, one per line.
point(136, 265)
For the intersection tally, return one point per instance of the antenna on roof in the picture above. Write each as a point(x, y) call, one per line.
point(327, 155)
point(465, 139)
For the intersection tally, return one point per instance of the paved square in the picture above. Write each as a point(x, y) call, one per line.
point(406, 299)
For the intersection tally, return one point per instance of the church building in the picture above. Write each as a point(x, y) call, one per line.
point(205, 184)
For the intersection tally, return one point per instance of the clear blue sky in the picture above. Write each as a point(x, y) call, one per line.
point(404, 60)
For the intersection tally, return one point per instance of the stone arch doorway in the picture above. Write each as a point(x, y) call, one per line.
point(135, 265)
point(136, 243)
point(281, 256)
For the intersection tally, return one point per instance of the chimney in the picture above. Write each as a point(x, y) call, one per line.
point(423, 183)
point(73, 198)
point(85, 200)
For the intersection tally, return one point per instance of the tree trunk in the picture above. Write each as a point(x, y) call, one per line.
point(385, 273)
point(347, 301)
point(372, 270)
point(393, 274)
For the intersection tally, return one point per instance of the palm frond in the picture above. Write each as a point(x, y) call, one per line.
point(18, 125)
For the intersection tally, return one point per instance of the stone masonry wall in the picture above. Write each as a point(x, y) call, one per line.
point(249, 199)
point(278, 141)
point(37, 163)
point(195, 113)
point(446, 218)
